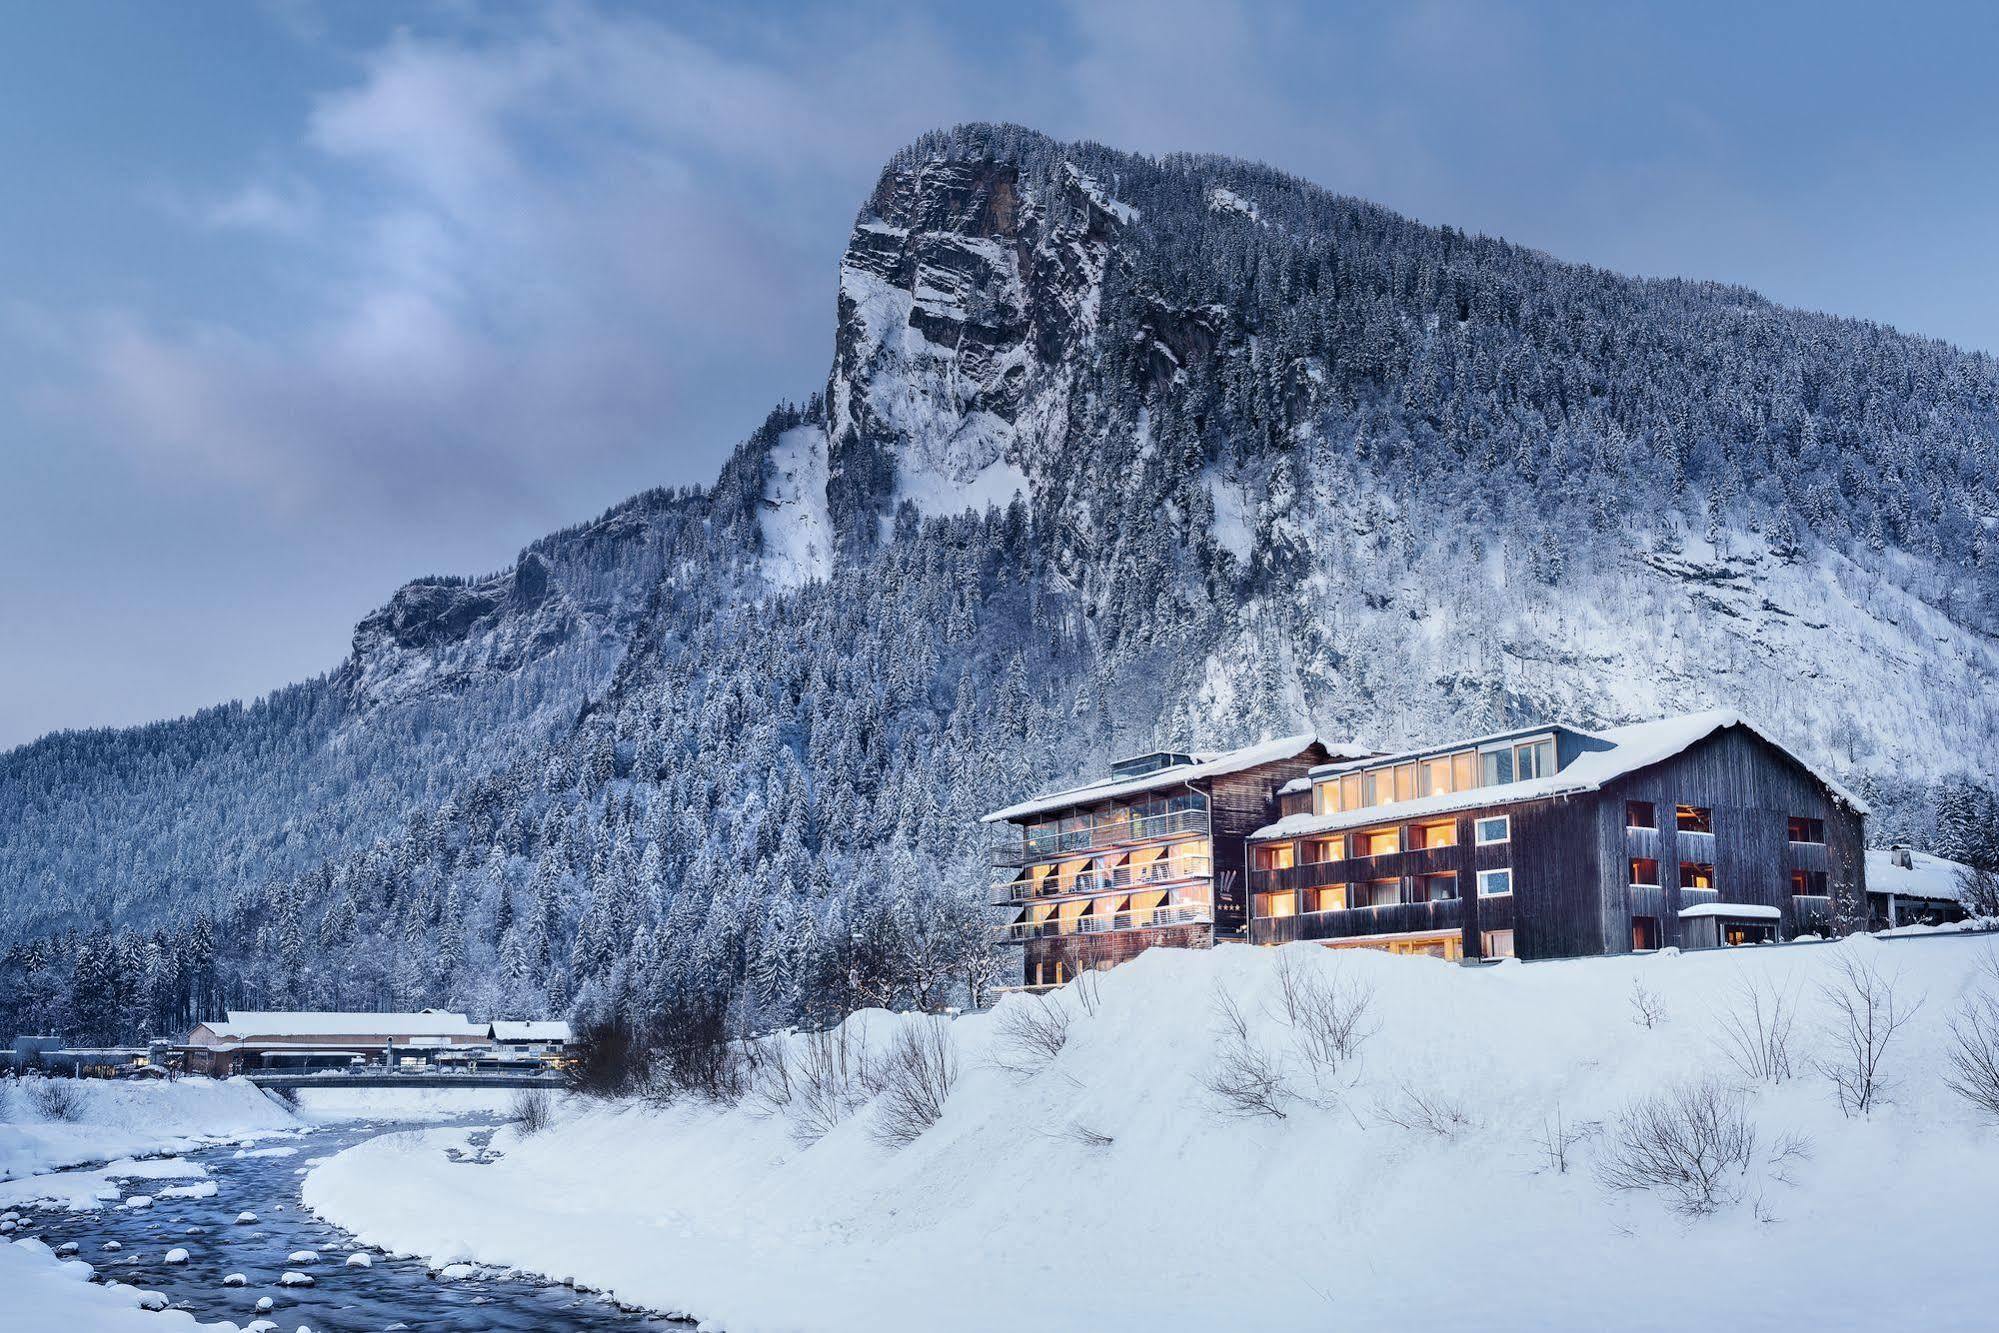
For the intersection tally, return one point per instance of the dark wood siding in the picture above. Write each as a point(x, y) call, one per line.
point(1238, 805)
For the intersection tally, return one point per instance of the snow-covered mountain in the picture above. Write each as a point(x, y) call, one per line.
point(1113, 450)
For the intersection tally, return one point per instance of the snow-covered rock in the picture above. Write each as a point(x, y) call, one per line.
point(235, 1280)
point(294, 1278)
point(302, 1257)
point(360, 1260)
point(245, 1218)
point(174, 1256)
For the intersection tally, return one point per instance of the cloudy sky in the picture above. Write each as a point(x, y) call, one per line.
point(298, 301)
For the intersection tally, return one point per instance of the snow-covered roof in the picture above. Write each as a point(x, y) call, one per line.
point(1925, 876)
point(530, 1031)
point(1204, 765)
point(247, 1025)
point(1758, 911)
point(1630, 748)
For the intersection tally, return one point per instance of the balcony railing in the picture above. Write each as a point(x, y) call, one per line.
point(1139, 918)
point(1090, 833)
point(1162, 871)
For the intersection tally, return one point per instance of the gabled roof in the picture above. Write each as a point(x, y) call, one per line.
point(1630, 748)
point(1206, 765)
point(248, 1024)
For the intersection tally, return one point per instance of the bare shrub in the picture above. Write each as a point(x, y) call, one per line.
point(1692, 1143)
point(1328, 1016)
point(1245, 1079)
point(1027, 1036)
point(1647, 1009)
point(1971, 1065)
point(53, 1098)
point(1756, 1030)
point(1868, 1010)
point(833, 1080)
point(533, 1111)
point(1560, 1136)
point(916, 1075)
point(1978, 891)
point(1082, 1134)
point(1428, 1112)
point(769, 1085)
point(1086, 984)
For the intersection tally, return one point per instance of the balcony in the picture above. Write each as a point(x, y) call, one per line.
point(1095, 833)
point(1141, 918)
point(1163, 871)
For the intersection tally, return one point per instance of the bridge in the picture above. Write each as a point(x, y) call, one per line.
point(377, 1078)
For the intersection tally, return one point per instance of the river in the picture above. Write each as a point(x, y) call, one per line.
point(263, 1178)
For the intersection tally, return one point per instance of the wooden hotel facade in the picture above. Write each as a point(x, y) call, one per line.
point(1545, 842)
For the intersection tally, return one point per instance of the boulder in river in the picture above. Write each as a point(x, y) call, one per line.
point(359, 1260)
point(175, 1256)
point(244, 1218)
point(302, 1257)
point(293, 1278)
point(235, 1280)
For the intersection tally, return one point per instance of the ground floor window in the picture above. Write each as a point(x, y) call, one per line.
point(1436, 944)
point(1644, 932)
point(1497, 944)
point(1748, 932)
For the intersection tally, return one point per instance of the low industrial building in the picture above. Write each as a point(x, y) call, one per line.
point(308, 1041)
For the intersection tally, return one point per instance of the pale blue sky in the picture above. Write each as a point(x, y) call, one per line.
point(300, 301)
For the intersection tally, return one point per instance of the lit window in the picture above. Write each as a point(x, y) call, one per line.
point(1694, 818)
point(1498, 828)
point(1378, 842)
point(1277, 904)
point(1696, 875)
point(1806, 830)
point(1318, 851)
point(1644, 870)
point(1330, 898)
point(1276, 856)
point(1374, 788)
point(1808, 883)
point(1326, 797)
point(1444, 834)
point(1433, 777)
point(1350, 792)
point(1464, 770)
point(1498, 944)
point(1640, 814)
point(1495, 883)
point(1405, 782)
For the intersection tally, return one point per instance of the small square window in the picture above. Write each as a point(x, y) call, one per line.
point(1495, 883)
point(1498, 828)
point(1806, 830)
point(1808, 883)
point(1696, 875)
point(1640, 814)
point(1644, 870)
point(1694, 818)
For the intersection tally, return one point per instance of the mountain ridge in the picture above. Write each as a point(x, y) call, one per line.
point(1112, 451)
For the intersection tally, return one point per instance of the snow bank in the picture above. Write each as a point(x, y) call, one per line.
point(1106, 1191)
point(44, 1292)
point(126, 1119)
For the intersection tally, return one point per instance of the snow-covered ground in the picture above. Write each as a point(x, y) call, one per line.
point(1108, 1191)
point(335, 1104)
point(129, 1119)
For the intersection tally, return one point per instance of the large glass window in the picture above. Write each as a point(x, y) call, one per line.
point(1405, 782)
point(1433, 776)
point(1442, 888)
point(1275, 856)
point(1283, 903)
point(1497, 828)
point(1379, 893)
point(1441, 834)
point(1350, 792)
point(1694, 818)
point(1329, 898)
point(1326, 797)
point(1320, 850)
point(1377, 842)
point(1496, 766)
point(1495, 883)
point(1535, 759)
point(1464, 770)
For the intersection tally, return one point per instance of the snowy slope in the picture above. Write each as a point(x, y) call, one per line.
point(1107, 1191)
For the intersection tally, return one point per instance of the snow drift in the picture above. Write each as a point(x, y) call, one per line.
point(1450, 1167)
